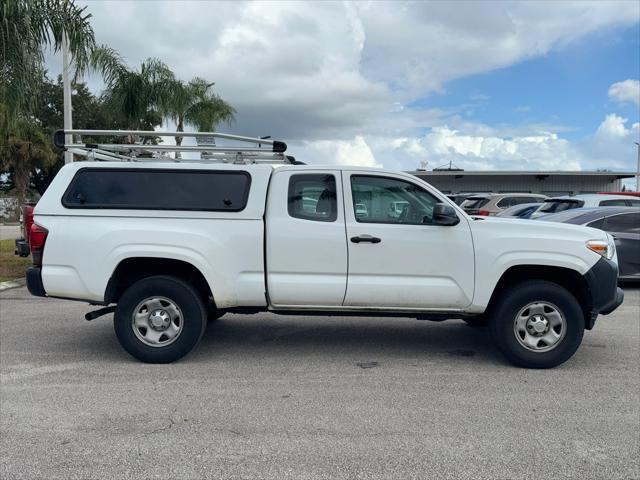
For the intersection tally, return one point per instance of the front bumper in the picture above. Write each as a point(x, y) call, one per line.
point(615, 303)
point(34, 282)
point(606, 296)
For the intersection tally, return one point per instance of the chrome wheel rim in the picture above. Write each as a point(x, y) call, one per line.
point(540, 326)
point(157, 321)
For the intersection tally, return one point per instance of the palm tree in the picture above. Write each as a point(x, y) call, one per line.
point(136, 95)
point(194, 103)
point(27, 27)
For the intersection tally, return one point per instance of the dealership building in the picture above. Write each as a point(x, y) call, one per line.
point(551, 183)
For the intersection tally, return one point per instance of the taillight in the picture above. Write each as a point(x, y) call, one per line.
point(27, 221)
point(37, 239)
point(484, 213)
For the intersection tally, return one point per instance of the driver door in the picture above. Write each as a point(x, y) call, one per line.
point(398, 258)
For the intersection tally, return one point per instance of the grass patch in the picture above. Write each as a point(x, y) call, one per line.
point(11, 265)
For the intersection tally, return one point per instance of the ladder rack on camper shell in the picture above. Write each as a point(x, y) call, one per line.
point(265, 151)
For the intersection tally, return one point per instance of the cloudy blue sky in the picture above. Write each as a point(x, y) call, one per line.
point(493, 85)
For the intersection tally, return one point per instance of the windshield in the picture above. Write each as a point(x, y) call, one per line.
point(476, 202)
point(554, 206)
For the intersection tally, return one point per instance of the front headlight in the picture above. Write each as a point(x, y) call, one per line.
point(606, 248)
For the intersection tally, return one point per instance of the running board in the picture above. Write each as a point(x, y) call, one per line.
point(100, 312)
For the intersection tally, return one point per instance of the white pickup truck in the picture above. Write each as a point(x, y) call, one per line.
point(172, 244)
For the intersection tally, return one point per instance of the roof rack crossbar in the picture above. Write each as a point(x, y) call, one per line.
point(276, 145)
point(261, 150)
point(124, 147)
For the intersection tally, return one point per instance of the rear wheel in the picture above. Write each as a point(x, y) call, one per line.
point(537, 324)
point(160, 319)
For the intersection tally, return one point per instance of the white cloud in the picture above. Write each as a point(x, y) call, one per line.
point(328, 70)
point(477, 152)
point(612, 146)
point(626, 91)
point(474, 146)
point(354, 152)
point(420, 46)
point(613, 126)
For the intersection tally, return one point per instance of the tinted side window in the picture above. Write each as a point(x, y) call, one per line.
point(597, 224)
point(313, 197)
point(613, 203)
point(554, 206)
point(388, 200)
point(158, 189)
point(506, 202)
point(529, 200)
point(633, 202)
point(624, 223)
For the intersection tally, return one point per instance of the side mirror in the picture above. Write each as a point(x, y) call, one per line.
point(445, 215)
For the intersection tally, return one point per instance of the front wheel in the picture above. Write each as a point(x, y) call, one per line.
point(160, 319)
point(537, 324)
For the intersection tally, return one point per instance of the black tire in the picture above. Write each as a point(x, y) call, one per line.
point(503, 313)
point(478, 321)
point(193, 318)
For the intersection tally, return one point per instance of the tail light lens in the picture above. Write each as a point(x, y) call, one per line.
point(37, 239)
point(27, 221)
point(484, 213)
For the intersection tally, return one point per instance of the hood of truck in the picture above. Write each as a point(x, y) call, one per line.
point(538, 227)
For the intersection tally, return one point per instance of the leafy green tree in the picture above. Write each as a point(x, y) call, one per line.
point(22, 154)
point(27, 28)
point(89, 112)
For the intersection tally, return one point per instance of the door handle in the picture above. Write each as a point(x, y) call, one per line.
point(365, 238)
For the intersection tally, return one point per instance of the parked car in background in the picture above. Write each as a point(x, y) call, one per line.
point(458, 198)
point(622, 223)
point(569, 202)
point(396, 208)
point(361, 210)
point(524, 210)
point(26, 220)
point(630, 194)
point(494, 203)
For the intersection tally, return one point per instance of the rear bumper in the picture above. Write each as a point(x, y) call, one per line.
point(606, 296)
point(34, 282)
point(22, 248)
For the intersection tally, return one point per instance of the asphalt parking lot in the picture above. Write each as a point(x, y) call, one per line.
point(292, 397)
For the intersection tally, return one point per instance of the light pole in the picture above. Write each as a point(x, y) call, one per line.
point(66, 89)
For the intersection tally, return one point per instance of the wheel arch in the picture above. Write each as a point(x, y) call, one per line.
point(567, 278)
point(130, 270)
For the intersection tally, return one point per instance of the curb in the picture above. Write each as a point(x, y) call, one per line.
point(18, 282)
